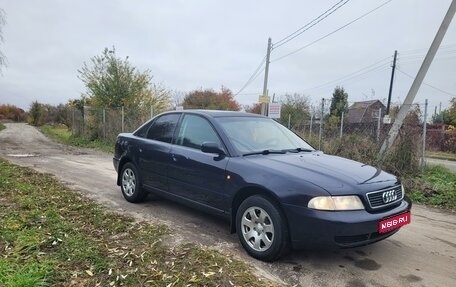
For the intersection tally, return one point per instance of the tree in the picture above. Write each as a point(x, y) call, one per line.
point(2, 23)
point(296, 108)
point(209, 99)
point(12, 112)
point(254, 108)
point(112, 82)
point(36, 114)
point(339, 102)
point(446, 116)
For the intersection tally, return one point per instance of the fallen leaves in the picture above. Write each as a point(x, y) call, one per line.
point(85, 245)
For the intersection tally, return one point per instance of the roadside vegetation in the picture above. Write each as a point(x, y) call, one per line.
point(2, 126)
point(436, 186)
point(60, 133)
point(52, 236)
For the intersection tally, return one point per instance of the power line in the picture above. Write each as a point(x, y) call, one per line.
point(253, 76)
point(329, 34)
point(424, 83)
point(310, 24)
point(414, 51)
point(437, 58)
point(421, 55)
point(447, 52)
point(369, 68)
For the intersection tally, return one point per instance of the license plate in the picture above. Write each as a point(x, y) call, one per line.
point(394, 222)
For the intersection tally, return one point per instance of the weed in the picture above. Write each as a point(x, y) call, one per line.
point(436, 186)
point(63, 135)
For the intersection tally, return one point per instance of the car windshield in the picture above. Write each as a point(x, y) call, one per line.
point(252, 135)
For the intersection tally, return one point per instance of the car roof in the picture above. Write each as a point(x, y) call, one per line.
point(219, 114)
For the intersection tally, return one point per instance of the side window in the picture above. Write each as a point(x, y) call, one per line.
point(195, 131)
point(162, 129)
point(142, 131)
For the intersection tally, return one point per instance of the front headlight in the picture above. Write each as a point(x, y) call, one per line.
point(350, 202)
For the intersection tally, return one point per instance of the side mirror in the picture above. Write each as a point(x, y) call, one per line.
point(212, 147)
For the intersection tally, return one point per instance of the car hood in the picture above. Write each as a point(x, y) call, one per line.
point(335, 174)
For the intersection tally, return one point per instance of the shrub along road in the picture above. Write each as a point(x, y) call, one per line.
point(421, 254)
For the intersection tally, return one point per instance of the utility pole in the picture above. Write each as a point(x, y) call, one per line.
point(266, 73)
point(391, 83)
point(394, 131)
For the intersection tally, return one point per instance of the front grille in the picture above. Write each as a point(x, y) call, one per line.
point(376, 200)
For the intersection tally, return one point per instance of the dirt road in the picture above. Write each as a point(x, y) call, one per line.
point(421, 254)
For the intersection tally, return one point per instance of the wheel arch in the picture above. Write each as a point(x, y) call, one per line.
point(122, 162)
point(246, 192)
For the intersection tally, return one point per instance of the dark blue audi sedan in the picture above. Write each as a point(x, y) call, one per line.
point(276, 190)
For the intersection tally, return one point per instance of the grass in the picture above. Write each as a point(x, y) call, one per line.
point(2, 126)
point(436, 187)
point(63, 135)
point(52, 236)
point(441, 155)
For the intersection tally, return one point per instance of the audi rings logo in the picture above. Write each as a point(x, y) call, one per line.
point(389, 196)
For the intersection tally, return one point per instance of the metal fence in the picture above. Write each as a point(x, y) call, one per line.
point(337, 135)
point(362, 140)
point(106, 124)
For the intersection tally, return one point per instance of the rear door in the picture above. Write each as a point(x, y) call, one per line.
point(195, 175)
point(154, 158)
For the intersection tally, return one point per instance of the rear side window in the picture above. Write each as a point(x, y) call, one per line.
point(142, 132)
point(194, 131)
point(162, 129)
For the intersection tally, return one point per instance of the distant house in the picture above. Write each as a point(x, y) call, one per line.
point(364, 112)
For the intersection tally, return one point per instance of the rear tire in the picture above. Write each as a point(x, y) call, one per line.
point(130, 184)
point(262, 228)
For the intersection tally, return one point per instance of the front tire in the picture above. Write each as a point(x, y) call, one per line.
point(130, 184)
point(262, 228)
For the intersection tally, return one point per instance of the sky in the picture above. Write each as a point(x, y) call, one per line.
point(208, 44)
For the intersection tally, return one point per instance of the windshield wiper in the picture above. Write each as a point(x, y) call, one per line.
point(299, 149)
point(266, 151)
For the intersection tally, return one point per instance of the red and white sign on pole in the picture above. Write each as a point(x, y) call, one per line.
point(274, 110)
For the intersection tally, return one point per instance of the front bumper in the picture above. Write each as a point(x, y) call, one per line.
point(343, 229)
point(115, 162)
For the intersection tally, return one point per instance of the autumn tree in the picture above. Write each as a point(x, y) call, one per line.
point(112, 82)
point(212, 100)
point(254, 108)
point(12, 112)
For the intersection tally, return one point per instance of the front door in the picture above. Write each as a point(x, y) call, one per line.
point(195, 175)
